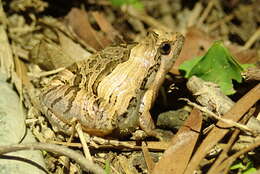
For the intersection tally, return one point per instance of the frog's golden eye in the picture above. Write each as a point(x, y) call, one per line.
point(165, 48)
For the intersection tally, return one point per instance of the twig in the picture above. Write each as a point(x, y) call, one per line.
point(45, 73)
point(252, 73)
point(126, 145)
point(147, 157)
point(209, 94)
point(147, 19)
point(232, 158)
point(206, 12)
point(217, 133)
point(219, 22)
point(251, 40)
point(217, 166)
point(230, 122)
point(193, 17)
point(87, 165)
point(83, 142)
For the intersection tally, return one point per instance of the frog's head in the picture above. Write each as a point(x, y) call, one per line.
point(168, 46)
point(159, 47)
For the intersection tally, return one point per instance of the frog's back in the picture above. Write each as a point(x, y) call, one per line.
point(73, 92)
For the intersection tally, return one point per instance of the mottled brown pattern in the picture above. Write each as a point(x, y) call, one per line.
point(116, 87)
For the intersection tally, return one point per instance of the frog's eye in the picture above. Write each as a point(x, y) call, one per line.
point(165, 48)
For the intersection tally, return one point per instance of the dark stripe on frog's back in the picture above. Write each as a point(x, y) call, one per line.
point(52, 96)
point(72, 99)
point(119, 57)
point(99, 66)
point(46, 92)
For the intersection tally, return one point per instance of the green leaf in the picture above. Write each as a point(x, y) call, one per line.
point(107, 167)
point(117, 2)
point(245, 66)
point(217, 66)
point(134, 3)
point(248, 168)
point(188, 65)
point(249, 171)
point(237, 166)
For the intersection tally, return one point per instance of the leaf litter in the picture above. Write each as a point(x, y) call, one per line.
point(42, 43)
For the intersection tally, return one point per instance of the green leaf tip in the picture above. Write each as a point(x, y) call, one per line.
point(217, 66)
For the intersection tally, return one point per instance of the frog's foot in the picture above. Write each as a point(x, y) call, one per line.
point(147, 125)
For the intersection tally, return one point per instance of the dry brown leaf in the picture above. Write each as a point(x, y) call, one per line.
point(106, 27)
point(198, 42)
point(6, 58)
point(78, 20)
point(243, 56)
point(217, 133)
point(218, 164)
point(225, 165)
point(49, 56)
point(147, 157)
point(21, 72)
point(177, 156)
point(13, 131)
point(74, 50)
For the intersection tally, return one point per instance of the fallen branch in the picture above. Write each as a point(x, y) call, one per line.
point(86, 165)
point(230, 122)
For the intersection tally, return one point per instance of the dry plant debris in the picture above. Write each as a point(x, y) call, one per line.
point(40, 38)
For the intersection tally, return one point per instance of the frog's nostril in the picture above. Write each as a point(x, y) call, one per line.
point(165, 48)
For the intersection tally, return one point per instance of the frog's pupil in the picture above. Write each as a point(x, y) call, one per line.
point(165, 48)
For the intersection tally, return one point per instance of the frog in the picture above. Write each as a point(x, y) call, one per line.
point(112, 91)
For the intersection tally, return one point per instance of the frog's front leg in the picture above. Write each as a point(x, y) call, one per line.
point(145, 119)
